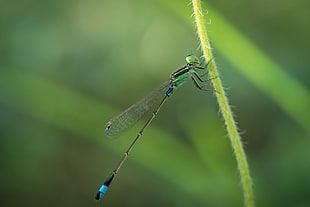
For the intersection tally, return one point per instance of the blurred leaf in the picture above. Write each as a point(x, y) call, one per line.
point(173, 161)
point(290, 94)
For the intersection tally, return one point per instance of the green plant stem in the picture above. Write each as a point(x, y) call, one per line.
point(225, 108)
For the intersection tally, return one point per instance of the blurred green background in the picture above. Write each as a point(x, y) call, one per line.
point(68, 67)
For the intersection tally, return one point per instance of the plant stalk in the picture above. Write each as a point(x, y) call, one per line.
point(225, 109)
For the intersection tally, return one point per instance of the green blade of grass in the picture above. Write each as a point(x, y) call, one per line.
point(285, 90)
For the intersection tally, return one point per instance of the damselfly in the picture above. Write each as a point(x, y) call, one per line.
point(134, 113)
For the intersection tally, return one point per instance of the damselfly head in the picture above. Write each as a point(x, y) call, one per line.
point(191, 59)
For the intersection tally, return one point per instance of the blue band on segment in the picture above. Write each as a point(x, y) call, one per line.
point(103, 189)
point(169, 91)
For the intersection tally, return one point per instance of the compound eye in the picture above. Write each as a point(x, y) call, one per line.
point(191, 59)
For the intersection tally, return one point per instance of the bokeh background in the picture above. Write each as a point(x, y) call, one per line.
point(68, 67)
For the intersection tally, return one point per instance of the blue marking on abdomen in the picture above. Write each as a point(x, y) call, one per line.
point(169, 91)
point(101, 191)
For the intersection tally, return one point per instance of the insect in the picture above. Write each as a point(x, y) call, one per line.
point(134, 113)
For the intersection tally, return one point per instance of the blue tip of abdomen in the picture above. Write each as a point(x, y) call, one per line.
point(101, 192)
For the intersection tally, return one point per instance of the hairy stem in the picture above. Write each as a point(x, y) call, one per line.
point(225, 108)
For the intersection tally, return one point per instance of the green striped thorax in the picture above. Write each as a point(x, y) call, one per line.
point(179, 76)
